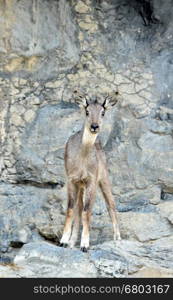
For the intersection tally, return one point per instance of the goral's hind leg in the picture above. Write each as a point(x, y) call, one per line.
point(107, 194)
point(72, 193)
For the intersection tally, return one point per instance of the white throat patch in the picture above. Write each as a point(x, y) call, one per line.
point(88, 138)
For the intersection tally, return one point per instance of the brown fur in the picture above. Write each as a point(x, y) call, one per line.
point(86, 169)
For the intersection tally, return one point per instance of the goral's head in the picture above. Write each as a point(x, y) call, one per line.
point(95, 109)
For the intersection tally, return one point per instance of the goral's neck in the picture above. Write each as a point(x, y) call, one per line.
point(88, 140)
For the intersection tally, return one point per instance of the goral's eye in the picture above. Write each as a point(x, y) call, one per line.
point(87, 113)
point(103, 113)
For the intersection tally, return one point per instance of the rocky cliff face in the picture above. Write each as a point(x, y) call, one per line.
point(47, 50)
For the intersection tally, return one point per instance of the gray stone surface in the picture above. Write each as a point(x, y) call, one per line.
point(24, 212)
point(39, 34)
point(63, 262)
point(47, 50)
point(123, 259)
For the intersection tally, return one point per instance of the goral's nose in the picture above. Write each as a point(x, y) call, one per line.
point(94, 127)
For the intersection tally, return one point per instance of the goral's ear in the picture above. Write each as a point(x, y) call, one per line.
point(111, 100)
point(80, 99)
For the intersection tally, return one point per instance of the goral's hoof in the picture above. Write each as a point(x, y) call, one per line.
point(84, 249)
point(63, 245)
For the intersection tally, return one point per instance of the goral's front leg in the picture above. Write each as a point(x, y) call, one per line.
point(67, 229)
point(88, 202)
point(72, 193)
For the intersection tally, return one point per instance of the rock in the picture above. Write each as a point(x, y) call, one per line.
point(29, 115)
point(81, 7)
point(54, 85)
point(29, 46)
point(109, 264)
point(148, 272)
point(23, 236)
point(166, 210)
point(153, 157)
point(44, 259)
point(133, 258)
point(155, 196)
point(138, 200)
point(16, 120)
point(22, 214)
point(123, 259)
point(41, 158)
point(144, 226)
point(91, 27)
